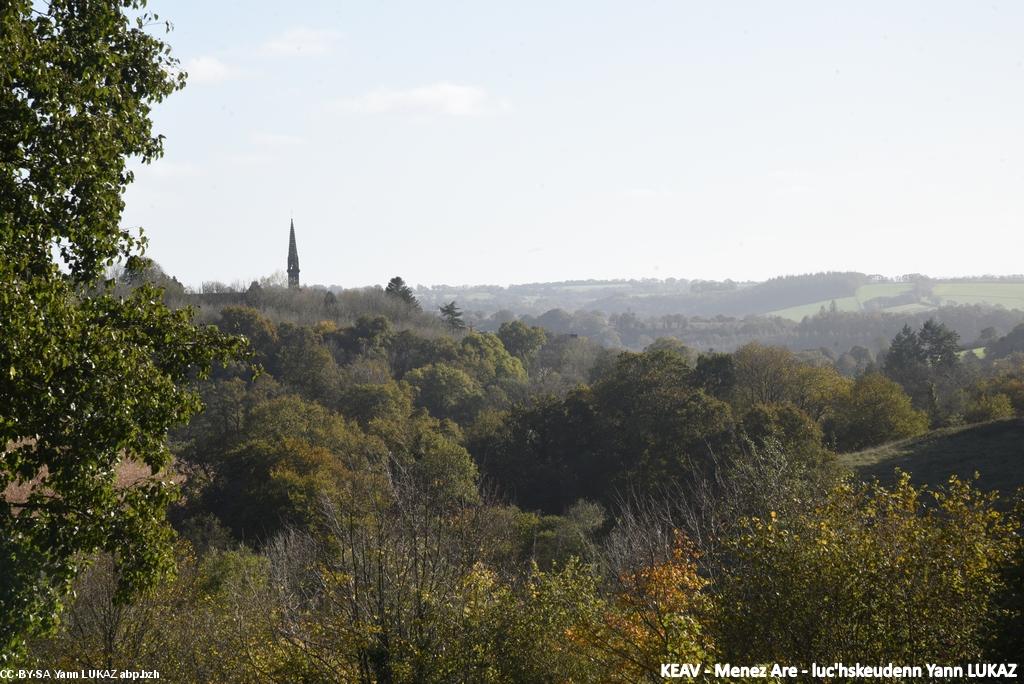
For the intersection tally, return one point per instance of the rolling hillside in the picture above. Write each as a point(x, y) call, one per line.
point(911, 298)
point(789, 297)
point(994, 450)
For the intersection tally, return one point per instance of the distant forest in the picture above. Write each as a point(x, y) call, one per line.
point(654, 298)
point(825, 313)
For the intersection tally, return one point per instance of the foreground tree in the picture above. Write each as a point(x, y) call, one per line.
point(656, 615)
point(184, 628)
point(87, 381)
point(869, 574)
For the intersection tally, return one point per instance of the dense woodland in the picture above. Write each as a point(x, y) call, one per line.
point(634, 324)
point(304, 485)
point(398, 498)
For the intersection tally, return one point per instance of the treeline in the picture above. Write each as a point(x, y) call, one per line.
point(651, 297)
point(830, 332)
point(394, 504)
point(833, 333)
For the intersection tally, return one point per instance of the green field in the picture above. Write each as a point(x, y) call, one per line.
point(994, 450)
point(864, 294)
point(1007, 294)
point(1010, 295)
point(977, 351)
point(797, 313)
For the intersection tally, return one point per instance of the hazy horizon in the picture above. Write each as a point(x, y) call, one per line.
point(470, 144)
point(280, 274)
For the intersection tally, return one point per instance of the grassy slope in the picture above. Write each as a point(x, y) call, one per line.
point(1007, 294)
point(1010, 295)
point(995, 450)
point(865, 293)
point(797, 313)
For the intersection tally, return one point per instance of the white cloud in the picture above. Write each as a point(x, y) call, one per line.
point(301, 41)
point(437, 98)
point(209, 70)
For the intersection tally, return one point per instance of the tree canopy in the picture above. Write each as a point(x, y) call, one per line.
point(88, 381)
point(397, 288)
point(452, 316)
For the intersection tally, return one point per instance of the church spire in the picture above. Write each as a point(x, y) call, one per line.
point(293, 259)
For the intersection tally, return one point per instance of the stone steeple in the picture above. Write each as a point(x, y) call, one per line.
point(293, 259)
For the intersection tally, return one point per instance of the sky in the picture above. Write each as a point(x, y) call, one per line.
point(474, 142)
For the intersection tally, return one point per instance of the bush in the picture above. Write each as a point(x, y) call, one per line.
point(875, 410)
point(872, 575)
point(989, 407)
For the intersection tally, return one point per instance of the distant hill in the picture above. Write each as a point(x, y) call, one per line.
point(916, 297)
point(789, 297)
point(995, 450)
